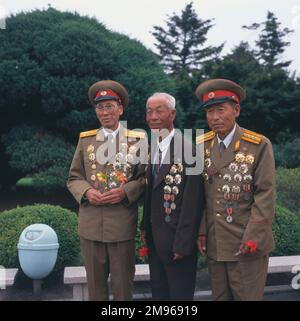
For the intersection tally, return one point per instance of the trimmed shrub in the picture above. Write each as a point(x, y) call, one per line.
point(288, 188)
point(286, 227)
point(63, 221)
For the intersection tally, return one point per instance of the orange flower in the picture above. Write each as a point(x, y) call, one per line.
point(121, 177)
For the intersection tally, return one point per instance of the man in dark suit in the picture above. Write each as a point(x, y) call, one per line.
point(173, 206)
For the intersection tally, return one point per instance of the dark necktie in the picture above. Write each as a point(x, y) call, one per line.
point(156, 166)
point(222, 148)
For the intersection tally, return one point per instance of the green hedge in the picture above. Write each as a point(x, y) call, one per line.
point(286, 227)
point(63, 221)
point(288, 188)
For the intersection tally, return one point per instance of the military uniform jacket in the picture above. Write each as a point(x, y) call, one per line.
point(240, 195)
point(179, 233)
point(106, 223)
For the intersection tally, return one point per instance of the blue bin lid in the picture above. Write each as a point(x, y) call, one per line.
point(38, 237)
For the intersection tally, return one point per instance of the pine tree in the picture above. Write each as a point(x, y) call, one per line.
point(182, 43)
point(271, 43)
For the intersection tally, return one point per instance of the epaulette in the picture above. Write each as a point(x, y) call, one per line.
point(205, 137)
point(252, 137)
point(134, 134)
point(88, 133)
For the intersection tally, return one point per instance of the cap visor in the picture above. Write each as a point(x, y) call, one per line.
point(216, 101)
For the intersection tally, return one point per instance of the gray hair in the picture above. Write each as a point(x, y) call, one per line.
point(171, 101)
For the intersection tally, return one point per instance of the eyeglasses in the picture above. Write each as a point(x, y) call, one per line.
point(107, 107)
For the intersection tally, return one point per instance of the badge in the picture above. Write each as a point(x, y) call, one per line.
point(167, 189)
point(249, 159)
point(225, 189)
point(168, 211)
point(243, 168)
point(207, 162)
point(237, 178)
point(173, 170)
point(236, 189)
point(248, 178)
point(167, 197)
point(175, 190)
point(229, 219)
point(239, 157)
point(227, 178)
point(166, 204)
point(90, 148)
point(168, 219)
point(177, 179)
point(169, 179)
point(180, 167)
point(233, 167)
point(173, 206)
point(92, 157)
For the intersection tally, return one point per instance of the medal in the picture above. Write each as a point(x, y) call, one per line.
point(93, 177)
point(92, 157)
point(172, 197)
point(90, 149)
point(249, 159)
point(177, 179)
point(229, 219)
point(166, 205)
point(239, 157)
point(233, 167)
point(243, 168)
point(167, 189)
point(168, 211)
point(227, 196)
point(169, 179)
point(167, 197)
point(225, 189)
point(173, 206)
point(168, 219)
point(237, 178)
point(248, 178)
point(94, 166)
point(227, 178)
point(175, 190)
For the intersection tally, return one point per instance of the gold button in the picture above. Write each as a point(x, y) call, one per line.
point(220, 175)
point(218, 214)
point(218, 202)
point(219, 189)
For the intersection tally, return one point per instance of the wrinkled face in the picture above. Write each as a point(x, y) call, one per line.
point(221, 118)
point(108, 112)
point(159, 115)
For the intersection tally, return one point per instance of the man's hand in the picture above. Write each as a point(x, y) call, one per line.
point(94, 196)
point(177, 256)
point(201, 243)
point(114, 196)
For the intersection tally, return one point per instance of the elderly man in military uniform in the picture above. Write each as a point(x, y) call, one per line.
point(107, 188)
point(173, 206)
point(236, 229)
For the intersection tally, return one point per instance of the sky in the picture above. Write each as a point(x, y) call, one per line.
point(136, 18)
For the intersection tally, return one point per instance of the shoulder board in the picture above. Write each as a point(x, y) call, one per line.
point(252, 137)
point(134, 134)
point(88, 133)
point(205, 137)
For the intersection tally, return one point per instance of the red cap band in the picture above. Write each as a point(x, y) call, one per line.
point(107, 94)
point(215, 94)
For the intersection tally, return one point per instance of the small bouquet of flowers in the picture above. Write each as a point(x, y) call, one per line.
point(248, 247)
point(113, 179)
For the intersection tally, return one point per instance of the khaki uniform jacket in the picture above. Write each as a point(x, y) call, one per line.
point(105, 223)
point(246, 170)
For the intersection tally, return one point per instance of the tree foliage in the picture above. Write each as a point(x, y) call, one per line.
point(48, 60)
point(182, 43)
